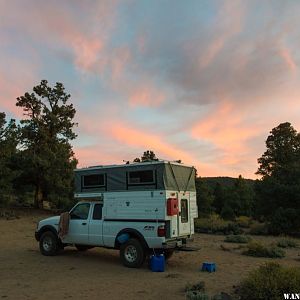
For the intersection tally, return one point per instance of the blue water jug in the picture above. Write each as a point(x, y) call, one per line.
point(209, 267)
point(157, 263)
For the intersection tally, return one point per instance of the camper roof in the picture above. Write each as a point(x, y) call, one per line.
point(152, 162)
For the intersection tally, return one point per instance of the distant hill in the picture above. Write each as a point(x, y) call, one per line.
point(224, 181)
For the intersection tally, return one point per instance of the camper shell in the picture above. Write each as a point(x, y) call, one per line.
point(143, 191)
point(153, 175)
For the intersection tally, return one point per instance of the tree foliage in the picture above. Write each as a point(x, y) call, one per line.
point(282, 157)
point(46, 132)
point(8, 150)
point(278, 192)
point(205, 197)
point(147, 156)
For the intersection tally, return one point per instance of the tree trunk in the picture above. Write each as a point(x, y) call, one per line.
point(38, 197)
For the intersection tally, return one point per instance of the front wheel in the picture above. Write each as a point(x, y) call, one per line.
point(132, 254)
point(49, 244)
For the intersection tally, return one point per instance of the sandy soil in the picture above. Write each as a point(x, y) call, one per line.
point(98, 273)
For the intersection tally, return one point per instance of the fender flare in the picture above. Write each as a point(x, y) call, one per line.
point(133, 233)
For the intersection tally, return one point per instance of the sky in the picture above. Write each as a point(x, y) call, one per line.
point(201, 81)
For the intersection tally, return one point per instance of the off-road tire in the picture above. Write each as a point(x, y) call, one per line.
point(132, 254)
point(49, 244)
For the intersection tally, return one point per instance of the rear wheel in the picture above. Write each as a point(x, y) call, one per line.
point(132, 254)
point(49, 243)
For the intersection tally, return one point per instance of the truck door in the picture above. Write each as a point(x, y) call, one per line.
point(95, 226)
point(184, 218)
point(78, 226)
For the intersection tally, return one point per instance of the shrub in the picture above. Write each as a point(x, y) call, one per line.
point(196, 291)
point(26, 198)
point(258, 229)
point(193, 295)
point(215, 224)
point(232, 228)
point(243, 239)
point(200, 287)
point(270, 281)
point(244, 221)
point(221, 296)
point(259, 250)
point(287, 243)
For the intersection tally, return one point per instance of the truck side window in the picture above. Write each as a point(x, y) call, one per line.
point(184, 211)
point(80, 212)
point(97, 214)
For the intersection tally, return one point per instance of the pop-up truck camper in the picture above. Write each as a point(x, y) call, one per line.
point(138, 208)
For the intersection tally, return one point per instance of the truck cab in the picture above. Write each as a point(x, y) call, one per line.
point(138, 209)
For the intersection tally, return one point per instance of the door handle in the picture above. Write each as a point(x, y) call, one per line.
point(83, 223)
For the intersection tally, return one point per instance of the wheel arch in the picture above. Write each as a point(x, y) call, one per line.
point(133, 233)
point(44, 229)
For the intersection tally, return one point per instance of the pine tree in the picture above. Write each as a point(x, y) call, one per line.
point(46, 132)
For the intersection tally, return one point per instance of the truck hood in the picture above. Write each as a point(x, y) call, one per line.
point(50, 221)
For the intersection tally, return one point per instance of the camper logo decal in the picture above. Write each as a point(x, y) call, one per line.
point(147, 227)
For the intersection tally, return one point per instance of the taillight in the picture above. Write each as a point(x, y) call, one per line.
point(161, 231)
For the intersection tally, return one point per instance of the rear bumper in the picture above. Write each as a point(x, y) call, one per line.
point(37, 236)
point(177, 243)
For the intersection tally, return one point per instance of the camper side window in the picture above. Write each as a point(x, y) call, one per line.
point(93, 181)
point(141, 177)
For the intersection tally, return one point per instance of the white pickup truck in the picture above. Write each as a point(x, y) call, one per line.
point(137, 208)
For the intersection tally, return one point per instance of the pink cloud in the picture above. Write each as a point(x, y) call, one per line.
point(224, 127)
point(63, 26)
point(18, 79)
point(228, 129)
point(287, 57)
point(171, 151)
point(94, 155)
point(146, 96)
point(230, 19)
point(120, 59)
point(86, 52)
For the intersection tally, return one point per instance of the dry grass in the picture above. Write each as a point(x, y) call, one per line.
point(98, 273)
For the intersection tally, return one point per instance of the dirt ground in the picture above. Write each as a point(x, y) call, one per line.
point(98, 273)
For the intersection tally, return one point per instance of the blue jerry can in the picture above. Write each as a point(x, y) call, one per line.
point(209, 267)
point(157, 263)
